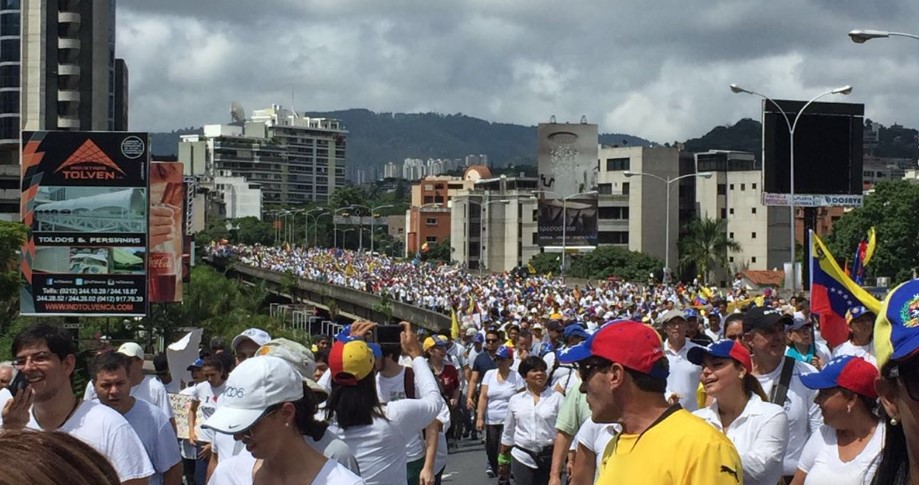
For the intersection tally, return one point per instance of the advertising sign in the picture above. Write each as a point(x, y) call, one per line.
point(167, 232)
point(581, 222)
point(84, 197)
point(813, 200)
point(566, 155)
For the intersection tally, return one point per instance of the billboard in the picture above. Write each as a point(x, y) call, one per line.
point(167, 232)
point(84, 199)
point(828, 150)
point(566, 155)
point(581, 222)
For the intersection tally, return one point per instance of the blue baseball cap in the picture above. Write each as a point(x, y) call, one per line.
point(344, 335)
point(479, 338)
point(196, 364)
point(896, 331)
point(504, 352)
point(846, 371)
point(690, 313)
point(575, 330)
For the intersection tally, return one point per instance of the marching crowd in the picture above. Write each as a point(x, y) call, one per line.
point(607, 384)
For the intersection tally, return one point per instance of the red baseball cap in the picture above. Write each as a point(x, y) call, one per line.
point(723, 349)
point(848, 372)
point(632, 344)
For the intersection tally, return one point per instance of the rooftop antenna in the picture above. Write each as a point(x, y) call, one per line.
point(237, 113)
point(583, 119)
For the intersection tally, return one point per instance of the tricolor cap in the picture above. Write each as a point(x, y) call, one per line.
point(504, 352)
point(846, 371)
point(690, 314)
point(197, 364)
point(344, 335)
point(349, 362)
point(434, 341)
point(254, 386)
point(632, 344)
point(479, 338)
point(298, 356)
point(722, 349)
point(257, 335)
point(131, 349)
point(896, 330)
point(575, 330)
point(376, 350)
point(858, 312)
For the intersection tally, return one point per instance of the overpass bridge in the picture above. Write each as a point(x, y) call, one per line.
point(347, 302)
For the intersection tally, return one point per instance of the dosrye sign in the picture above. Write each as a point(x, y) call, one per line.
point(813, 200)
point(85, 200)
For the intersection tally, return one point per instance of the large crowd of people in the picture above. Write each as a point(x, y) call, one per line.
point(616, 382)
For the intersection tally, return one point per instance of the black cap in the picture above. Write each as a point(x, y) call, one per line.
point(764, 318)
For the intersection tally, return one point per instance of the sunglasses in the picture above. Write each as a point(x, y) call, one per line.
point(586, 369)
point(909, 376)
point(491, 340)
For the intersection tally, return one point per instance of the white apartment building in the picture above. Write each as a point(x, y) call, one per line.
point(240, 198)
point(734, 193)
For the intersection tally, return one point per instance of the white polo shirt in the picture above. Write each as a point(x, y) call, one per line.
point(684, 375)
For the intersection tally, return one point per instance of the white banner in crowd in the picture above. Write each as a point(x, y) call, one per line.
point(183, 353)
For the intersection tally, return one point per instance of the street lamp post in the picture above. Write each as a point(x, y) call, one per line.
point(668, 182)
point(791, 157)
point(343, 232)
point(306, 222)
point(335, 225)
point(293, 224)
point(862, 36)
point(316, 231)
point(373, 211)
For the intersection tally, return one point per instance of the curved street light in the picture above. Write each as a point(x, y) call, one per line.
point(668, 182)
point(844, 90)
point(862, 36)
point(306, 227)
point(373, 210)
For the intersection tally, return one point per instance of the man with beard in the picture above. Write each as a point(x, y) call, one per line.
point(45, 354)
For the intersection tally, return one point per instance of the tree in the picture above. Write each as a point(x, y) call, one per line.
point(704, 244)
point(12, 236)
point(892, 210)
point(606, 261)
point(546, 262)
point(250, 230)
point(347, 195)
point(438, 252)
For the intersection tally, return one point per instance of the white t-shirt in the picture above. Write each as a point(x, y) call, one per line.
point(150, 389)
point(760, 435)
point(391, 389)
point(820, 459)
point(499, 393)
point(110, 434)
point(595, 436)
point(380, 447)
point(803, 414)
point(864, 351)
point(329, 445)
point(238, 471)
point(208, 398)
point(155, 432)
point(684, 375)
point(5, 396)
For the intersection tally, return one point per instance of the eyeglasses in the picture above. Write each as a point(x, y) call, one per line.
point(38, 358)
point(586, 369)
point(909, 376)
point(491, 341)
point(268, 412)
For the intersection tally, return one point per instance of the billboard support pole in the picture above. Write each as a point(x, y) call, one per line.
point(791, 160)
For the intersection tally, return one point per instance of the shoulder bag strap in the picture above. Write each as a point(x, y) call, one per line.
point(780, 389)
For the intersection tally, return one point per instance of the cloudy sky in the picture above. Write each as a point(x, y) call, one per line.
point(658, 69)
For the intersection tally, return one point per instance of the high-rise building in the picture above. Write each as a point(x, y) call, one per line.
point(57, 72)
point(294, 159)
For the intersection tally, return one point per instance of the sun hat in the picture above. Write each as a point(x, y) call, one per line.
point(896, 330)
point(632, 344)
point(349, 362)
point(131, 349)
point(257, 335)
point(254, 386)
point(298, 356)
point(722, 349)
point(846, 371)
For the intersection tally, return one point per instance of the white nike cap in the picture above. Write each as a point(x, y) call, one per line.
point(254, 386)
point(257, 335)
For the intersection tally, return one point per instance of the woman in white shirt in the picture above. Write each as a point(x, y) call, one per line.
point(758, 428)
point(845, 449)
point(265, 408)
point(530, 426)
point(861, 335)
point(498, 385)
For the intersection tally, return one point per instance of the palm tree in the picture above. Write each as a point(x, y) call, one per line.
point(704, 244)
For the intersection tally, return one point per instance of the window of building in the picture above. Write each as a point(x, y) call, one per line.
point(730, 235)
point(605, 189)
point(724, 214)
point(722, 189)
point(732, 187)
point(743, 186)
point(730, 259)
point(9, 50)
point(753, 236)
point(625, 188)
point(613, 237)
point(613, 213)
point(753, 186)
point(431, 239)
point(753, 259)
point(430, 221)
point(753, 210)
point(617, 164)
point(731, 211)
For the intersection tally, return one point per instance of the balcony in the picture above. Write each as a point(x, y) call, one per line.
point(68, 95)
point(68, 69)
point(68, 18)
point(66, 43)
point(68, 122)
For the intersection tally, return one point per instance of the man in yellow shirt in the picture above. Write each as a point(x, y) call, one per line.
point(624, 374)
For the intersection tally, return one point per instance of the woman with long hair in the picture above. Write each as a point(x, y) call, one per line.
point(378, 435)
point(498, 386)
point(845, 450)
point(530, 426)
point(741, 410)
point(266, 406)
point(896, 340)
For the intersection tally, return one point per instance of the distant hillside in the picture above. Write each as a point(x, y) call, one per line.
point(745, 135)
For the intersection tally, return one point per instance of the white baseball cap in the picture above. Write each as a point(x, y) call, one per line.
point(298, 356)
point(254, 385)
point(257, 335)
point(131, 349)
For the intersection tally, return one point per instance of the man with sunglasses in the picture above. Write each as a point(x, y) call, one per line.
point(764, 334)
point(484, 362)
point(624, 374)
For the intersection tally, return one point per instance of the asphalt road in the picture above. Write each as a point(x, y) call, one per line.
point(466, 465)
